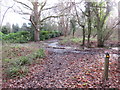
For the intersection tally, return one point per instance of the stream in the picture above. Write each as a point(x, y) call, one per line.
point(56, 48)
point(53, 46)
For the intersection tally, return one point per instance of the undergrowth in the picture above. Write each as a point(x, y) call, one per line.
point(18, 67)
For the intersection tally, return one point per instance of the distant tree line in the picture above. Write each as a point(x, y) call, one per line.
point(14, 28)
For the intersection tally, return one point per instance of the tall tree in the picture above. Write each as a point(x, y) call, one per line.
point(36, 18)
point(102, 10)
point(88, 9)
point(64, 21)
point(81, 22)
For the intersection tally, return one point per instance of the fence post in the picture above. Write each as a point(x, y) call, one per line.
point(106, 67)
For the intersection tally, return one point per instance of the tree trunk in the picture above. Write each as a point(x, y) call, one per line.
point(36, 35)
point(73, 33)
point(36, 21)
point(89, 24)
point(83, 41)
point(100, 42)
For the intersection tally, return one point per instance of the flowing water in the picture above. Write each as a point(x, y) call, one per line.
point(53, 45)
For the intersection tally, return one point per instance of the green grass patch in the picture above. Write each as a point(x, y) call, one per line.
point(39, 54)
point(70, 40)
point(12, 52)
point(16, 71)
point(18, 67)
point(76, 40)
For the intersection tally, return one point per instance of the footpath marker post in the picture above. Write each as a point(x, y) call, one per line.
point(106, 67)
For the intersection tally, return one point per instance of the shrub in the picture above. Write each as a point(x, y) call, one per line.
point(5, 29)
point(1, 35)
point(49, 34)
point(44, 35)
point(19, 37)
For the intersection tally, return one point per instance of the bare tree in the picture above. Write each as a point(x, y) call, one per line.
point(64, 21)
point(101, 11)
point(81, 22)
point(88, 6)
point(36, 19)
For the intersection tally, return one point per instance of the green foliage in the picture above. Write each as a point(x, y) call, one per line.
point(12, 71)
point(19, 37)
point(23, 61)
point(17, 67)
point(44, 35)
point(1, 35)
point(15, 71)
point(25, 36)
point(40, 53)
point(7, 60)
point(76, 40)
point(49, 34)
point(5, 30)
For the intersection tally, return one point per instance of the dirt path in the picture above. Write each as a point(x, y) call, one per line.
point(68, 69)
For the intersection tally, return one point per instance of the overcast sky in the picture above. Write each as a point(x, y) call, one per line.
point(13, 17)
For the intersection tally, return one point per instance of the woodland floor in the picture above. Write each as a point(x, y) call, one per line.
point(67, 69)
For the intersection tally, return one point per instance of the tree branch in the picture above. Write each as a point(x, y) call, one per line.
point(116, 25)
point(51, 17)
point(23, 4)
point(78, 18)
point(21, 12)
point(31, 19)
point(6, 12)
point(84, 13)
point(49, 8)
point(42, 7)
point(107, 13)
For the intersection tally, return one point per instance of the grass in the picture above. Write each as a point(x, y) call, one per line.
point(76, 40)
point(16, 60)
point(10, 52)
point(16, 71)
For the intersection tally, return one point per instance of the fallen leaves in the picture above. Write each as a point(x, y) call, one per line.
point(69, 70)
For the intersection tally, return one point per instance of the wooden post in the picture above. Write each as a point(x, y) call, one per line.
point(106, 67)
point(119, 20)
point(119, 30)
